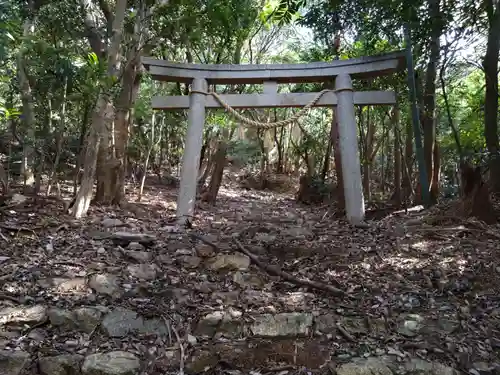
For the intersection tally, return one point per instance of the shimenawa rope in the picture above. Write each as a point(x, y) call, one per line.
point(262, 125)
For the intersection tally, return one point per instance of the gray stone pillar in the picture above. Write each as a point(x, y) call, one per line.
point(351, 167)
point(192, 152)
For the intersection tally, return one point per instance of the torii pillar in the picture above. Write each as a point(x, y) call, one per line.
point(351, 166)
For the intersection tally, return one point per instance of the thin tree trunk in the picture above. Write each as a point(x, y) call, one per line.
point(338, 161)
point(59, 138)
point(397, 157)
point(27, 102)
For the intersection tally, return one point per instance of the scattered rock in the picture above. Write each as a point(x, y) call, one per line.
point(229, 262)
point(143, 271)
point(110, 223)
point(105, 284)
point(361, 366)
point(125, 238)
point(204, 251)
point(225, 323)
point(297, 232)
point(417, 366)
point(191, 261)
point(139, 256)
point(23, 315)
point(247, 280)
point(66, 364)
point(83, 318)
point(111, 363)
point(135, 246)
point(122, 322)
point(13, 363)
point(411, 325)
point(201, 361)
point(282, 325)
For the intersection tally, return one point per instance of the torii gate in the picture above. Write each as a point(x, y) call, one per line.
point(270, 75)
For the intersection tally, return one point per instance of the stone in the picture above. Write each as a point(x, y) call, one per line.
point(13, 362)
point(139, 256)
point(122, 322)
point(247, 280)
point(364, 366)
point(81, 319)
point(125, 238)
point(105, 283)
point(23, 315)
point(66, 364)
point(265, 237)
point(110, 222)
point(143, 271)
point(282, 325)
point(75, 285)
point(326, 323)
point(201, 361)
point(226, 323)
point(299, 232)
point(411, 325)
point(135, 246)
point(417, 366)
point(190, 261)
point(230, 262)
point(111, 363)
point(204, 251)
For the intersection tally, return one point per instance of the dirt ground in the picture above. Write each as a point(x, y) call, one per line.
point(259, 284)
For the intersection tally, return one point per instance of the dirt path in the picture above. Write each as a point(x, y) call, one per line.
point(94, 297)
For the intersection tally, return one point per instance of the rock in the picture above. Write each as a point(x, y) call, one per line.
point(143, 271)
point(13, 363)
point(368, 366)
point(111, 363)
point(411, 325)
point(125, 238)
point(230, 262)
point(135, 246)
point(66, 364)
point(190, 261)
point(83, 318)
point(4, 259)
point(139, 256)
point(122, 322)
point(105, 284)
point(297, 232)
point(326, 323)
point(110, 223)
point(247, 280)
point(417, 366)
point(23, 315)
point(191, 339)
point(75, 285)
point(222, 322)
point(17, 199)
point(204, 251)
point(265, 237)
point(282, 325)
point(201, 361)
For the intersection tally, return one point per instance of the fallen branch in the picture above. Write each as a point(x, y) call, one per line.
point(277, 272)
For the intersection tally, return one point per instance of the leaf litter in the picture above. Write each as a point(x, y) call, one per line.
point(260, 283)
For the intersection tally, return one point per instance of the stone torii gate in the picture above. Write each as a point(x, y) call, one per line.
point(270, 75)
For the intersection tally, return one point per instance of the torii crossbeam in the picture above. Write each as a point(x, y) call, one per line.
point(343, 98)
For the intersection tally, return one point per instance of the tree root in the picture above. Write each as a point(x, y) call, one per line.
point(276, 271)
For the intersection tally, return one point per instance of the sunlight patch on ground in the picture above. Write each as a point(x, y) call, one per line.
point(401, 262)
point(421, 245)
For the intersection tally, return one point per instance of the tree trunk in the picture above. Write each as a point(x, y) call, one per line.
point(429, 96)
point(59, 138)
point(328, 153)
point(490, 65)
point(28, 117)
point(102, 115)
point(218, 171)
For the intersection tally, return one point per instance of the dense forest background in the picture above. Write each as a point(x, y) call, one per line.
point(75, 99)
